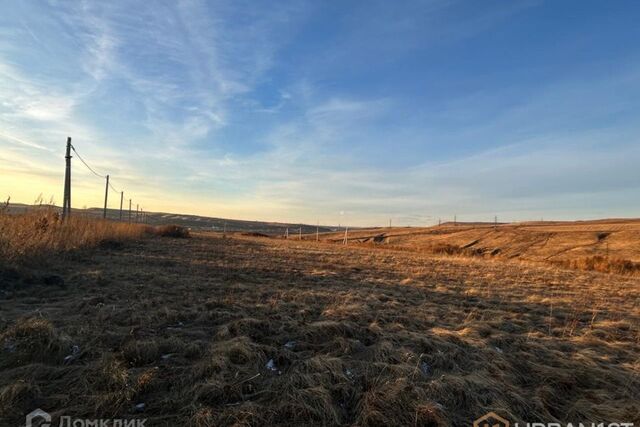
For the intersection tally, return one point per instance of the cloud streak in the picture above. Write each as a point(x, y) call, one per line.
point(303, 111)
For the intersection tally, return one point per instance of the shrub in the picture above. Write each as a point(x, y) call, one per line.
point(603, 264)
point(172, 230)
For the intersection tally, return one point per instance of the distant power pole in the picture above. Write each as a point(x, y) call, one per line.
point(455, 220)
point(439, 222)
point(121, 200)
point(495, 223)
point(137, 212)
point(346, 235)
point(66, 201)
point(106, 196)
point(129, 210)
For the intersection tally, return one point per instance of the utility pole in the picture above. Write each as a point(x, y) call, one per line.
point(66, 201)
point(495, 223)
point(121, 200)
point(137, 212)
point(439, 222)
point(106, 196)
point(346, 235)
point(455, 220)
point(129, 210)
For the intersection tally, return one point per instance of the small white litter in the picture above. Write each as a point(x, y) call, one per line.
point(425, 368)
point(139, 407)
point(349, 373)
point(290, 345)
point(271, 365)
point(75, 352)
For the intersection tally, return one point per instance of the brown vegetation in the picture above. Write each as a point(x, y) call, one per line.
point(171, 230)
point(41, 232)
point(602, 264)
point(611, 246)
point(252, 331)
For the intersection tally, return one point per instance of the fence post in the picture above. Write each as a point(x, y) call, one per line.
point(121, 200)
point(106, 196)
point(66, 201)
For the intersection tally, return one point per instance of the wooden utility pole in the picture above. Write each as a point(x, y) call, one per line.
point(455, 220)
point(346, 235)
point(121, 200)
point(66, 201)
point(106, 196)
point(129, 210)
point(137, 212)
point(495, 223)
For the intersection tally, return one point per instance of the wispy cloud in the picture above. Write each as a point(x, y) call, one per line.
point(307, 110)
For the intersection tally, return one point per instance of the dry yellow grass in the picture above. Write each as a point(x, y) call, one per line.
point(41, 232)
point(355, 336)
point(604, 245)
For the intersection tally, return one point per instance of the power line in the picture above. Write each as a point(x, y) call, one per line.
point(92, 170)
point(113, 188)
point(109, 184)
point(85, 163)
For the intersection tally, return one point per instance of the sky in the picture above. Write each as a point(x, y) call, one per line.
point(342, 112)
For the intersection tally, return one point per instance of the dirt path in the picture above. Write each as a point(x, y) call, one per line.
point(250, 331)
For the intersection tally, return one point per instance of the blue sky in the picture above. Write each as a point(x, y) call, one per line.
point(344, 112)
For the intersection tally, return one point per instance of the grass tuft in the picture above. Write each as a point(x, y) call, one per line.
point(172, 230)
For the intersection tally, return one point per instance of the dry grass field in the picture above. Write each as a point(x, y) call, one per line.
point(604, 245)
point(239, 331)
